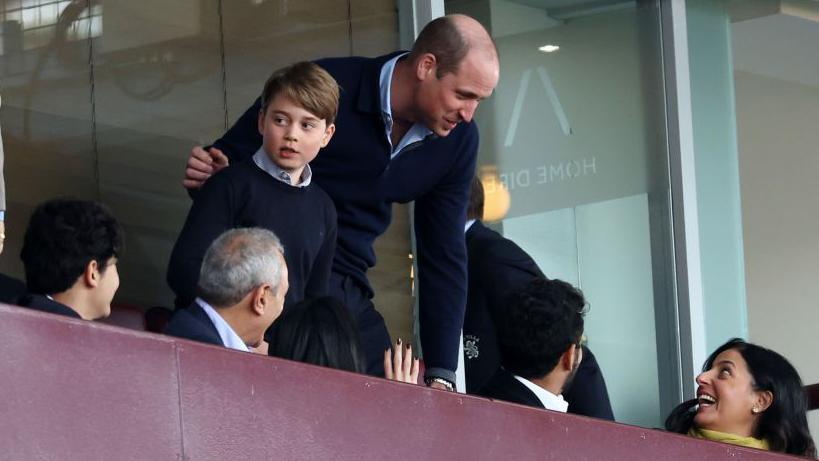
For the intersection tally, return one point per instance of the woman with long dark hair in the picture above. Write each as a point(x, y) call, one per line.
point(747, 395)
point(322, 332)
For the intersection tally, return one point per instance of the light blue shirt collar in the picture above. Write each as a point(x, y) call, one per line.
point(469, 223)
point(262, 160)
point(417, 132)
point(229, 337)
point(549, 400)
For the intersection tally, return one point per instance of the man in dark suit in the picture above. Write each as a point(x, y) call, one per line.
point(498, 266)
point(539, 343)
point(242, 284)
point(69, 254)
point(405, 133)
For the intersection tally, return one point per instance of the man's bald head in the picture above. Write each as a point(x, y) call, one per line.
point(450, 38)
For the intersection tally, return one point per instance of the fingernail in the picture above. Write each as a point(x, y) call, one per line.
point(409, 346)
point(398, 342)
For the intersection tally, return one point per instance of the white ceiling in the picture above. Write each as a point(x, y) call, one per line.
point(561, 9)
point(552, 4)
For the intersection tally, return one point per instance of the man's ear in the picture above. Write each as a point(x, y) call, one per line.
point(258, 300)
point(426, 66)
point(571, 359)
point(328, 134)
point(91, 275)
point(764, 399)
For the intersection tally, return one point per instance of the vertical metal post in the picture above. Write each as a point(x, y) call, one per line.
point(685, 223)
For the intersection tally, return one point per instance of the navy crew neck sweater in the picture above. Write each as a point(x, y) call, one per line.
point(244, 195)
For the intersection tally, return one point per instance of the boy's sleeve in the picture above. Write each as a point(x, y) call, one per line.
point(318, 282)
point(210, 215)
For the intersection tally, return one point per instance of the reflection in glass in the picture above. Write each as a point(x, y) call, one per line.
point(570, 132)
point(103, 99)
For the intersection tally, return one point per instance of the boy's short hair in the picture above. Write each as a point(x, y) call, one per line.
point(539, 323)
point(308, 85)
point(62, 237)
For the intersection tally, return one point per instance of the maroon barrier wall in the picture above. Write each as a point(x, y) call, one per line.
point(86, 391)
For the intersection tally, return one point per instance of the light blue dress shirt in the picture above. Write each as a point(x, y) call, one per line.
point(229, 337)
point(418, 132)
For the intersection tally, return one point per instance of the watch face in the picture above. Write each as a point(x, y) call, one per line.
point(442, 381)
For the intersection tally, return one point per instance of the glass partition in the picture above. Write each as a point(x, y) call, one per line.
point(574, 161)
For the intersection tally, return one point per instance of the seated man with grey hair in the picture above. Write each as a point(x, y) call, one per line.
point(241, 291)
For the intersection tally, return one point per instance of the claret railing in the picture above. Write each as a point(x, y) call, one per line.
point(87, 391)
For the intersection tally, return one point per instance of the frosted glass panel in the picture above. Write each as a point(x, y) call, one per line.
point(550, 239)
point(614, 255)
point(575, 136)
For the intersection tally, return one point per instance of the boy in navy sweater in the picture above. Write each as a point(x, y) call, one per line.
point(273, 189)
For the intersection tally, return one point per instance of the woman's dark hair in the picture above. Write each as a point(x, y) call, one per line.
point(784, 424)
point(319, 331)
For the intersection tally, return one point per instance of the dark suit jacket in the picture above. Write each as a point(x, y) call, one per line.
point(194, 323)
point(11, 289)
point(504, 386)
point(496, 266)
point(43, 304)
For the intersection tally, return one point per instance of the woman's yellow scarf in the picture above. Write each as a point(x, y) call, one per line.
point(725, 437)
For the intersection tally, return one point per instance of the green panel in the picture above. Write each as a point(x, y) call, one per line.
point(716, 157)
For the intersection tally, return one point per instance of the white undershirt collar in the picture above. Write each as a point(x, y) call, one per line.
point(549, 400)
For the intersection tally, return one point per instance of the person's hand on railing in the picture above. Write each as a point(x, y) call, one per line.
point(399, 365)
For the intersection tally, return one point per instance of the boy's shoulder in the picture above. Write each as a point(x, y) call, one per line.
point(236, 177)
point(236, 172)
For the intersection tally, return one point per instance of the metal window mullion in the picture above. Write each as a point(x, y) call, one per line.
point(685, 222)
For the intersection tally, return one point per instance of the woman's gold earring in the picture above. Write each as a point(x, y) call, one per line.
point(755, 410)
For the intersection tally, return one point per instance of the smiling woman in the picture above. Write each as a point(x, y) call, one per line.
point(747, 395)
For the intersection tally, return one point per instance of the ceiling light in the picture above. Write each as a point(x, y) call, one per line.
point(549, 48)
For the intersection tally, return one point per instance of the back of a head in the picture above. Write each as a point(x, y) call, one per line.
point(62, 237)
point(306, 84)
point(319, 331)
point(237, 262)
point(539, 324)
point(449, 38)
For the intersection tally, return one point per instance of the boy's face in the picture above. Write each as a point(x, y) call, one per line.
point(292, 136)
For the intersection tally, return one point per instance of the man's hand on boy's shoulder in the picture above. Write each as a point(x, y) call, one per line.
point(202, 164)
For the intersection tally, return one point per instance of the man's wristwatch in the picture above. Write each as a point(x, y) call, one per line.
point(448, 385)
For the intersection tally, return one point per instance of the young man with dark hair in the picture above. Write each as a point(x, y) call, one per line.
point(405, 133)
point(539, 342)
point(241, 287)
point(274, 190)
point(70, 252)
